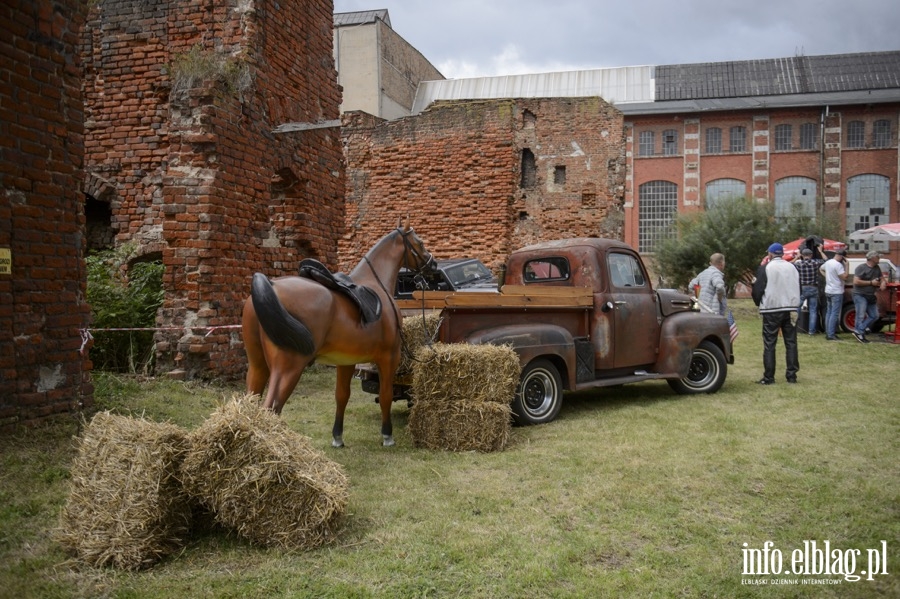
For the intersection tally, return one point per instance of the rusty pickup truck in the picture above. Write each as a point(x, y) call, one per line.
point(581, 313)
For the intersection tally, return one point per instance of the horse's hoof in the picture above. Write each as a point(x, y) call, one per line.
point(388, 440)
point(337, 442)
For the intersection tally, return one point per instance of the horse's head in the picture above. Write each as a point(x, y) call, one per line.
point(415, 256)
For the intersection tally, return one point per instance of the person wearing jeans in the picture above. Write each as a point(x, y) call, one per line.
point(808, 267)
point(835, 273)
point(866, 280)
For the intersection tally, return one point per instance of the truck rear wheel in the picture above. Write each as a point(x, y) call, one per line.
point(539, 396)
point(706, 373)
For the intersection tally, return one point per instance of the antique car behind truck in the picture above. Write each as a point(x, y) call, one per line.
point(581, 313)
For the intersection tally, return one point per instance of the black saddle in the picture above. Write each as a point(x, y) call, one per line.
point(366, 300)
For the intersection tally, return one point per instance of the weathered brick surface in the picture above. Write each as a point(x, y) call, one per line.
point(456, 170)
point(42, 306)
point(196, 172)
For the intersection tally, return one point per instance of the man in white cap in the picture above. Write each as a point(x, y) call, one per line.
point(867, 278)
point(777, 293)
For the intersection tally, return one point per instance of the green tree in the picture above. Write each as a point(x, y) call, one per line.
point(740, 228)
point(123, 299)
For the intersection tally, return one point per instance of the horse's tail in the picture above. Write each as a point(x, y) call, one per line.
point(280, 326)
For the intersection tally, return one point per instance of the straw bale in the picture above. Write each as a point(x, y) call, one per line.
point(126, 507)
point(262, 479)
point(463, 372)
point(418, 332)
point(460, 425)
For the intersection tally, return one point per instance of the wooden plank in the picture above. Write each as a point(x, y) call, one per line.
point(511, 296)
point(546, 290)
point(537, 301)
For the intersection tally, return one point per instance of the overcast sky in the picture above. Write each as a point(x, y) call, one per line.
point(473, 38)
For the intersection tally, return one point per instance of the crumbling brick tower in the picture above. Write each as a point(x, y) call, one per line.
point(183, 99)
point(42, 273)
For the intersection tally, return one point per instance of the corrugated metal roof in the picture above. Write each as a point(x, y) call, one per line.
point(361, 17)
point(779, 76)
point(757, 102)
point(778, 82)
point(616, 85)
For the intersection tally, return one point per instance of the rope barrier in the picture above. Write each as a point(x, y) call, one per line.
point(86, 336)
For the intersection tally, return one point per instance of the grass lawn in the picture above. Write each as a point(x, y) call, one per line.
point(632, 492)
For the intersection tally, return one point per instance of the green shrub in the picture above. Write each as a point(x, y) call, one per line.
point(123, 298)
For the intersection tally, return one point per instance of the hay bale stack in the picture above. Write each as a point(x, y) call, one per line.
point(461, 397)
point(418, 332)
point(262, 479)
point(126, 507)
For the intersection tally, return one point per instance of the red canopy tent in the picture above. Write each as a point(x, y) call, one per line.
point(792, 249)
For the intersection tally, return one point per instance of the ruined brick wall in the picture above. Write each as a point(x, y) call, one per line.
point(457, 170)
point(42, 307)
point(183, 99)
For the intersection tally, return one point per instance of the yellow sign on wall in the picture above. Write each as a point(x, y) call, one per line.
point(5, 261)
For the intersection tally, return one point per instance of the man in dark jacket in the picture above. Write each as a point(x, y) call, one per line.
point(777, 293)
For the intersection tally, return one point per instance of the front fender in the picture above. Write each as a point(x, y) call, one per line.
point(531, 341)
point(680, 335)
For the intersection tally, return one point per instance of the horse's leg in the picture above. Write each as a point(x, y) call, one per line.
point(341, 397)
point(257, 369)
point(285, 367)
point(385, 401)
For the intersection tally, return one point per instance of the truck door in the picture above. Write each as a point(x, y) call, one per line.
point(636, 335)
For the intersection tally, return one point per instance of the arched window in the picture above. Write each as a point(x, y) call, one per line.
point(720, 190)
point(737, 139)
point(868, 204)
point(809, 136)
point(647, 143)
point(783, 137)
point(657, 207)
point(670, 142)
point(856, 134)
point(713, 140)
point(881, 134)
point(795, 197)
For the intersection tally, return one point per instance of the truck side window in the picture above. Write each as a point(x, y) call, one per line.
point(624, 270)
point(546, 269)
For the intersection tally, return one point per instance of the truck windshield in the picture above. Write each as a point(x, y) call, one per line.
point(469, 272)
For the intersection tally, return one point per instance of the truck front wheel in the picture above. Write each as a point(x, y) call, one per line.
point(539, 396)
point(706, 373)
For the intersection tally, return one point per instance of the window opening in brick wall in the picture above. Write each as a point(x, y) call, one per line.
point(589, 199)
point(737, 139)
point(809, 136)
point(881, 134)
point(529, 169)
point(98, 224)
point(559, 175)
point(528, 119)
point(713, 140)
point(657, 207)
point(723, 190)
point(856, 134)
point(783, 135)
point(670, 142)
point(795, 197)
point(647, 143)
point(868, 203)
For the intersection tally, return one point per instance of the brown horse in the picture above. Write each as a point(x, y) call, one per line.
point(291, 321)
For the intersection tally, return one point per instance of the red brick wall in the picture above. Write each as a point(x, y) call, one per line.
point(198, 172)
point(456, 169)
point(42, 305)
